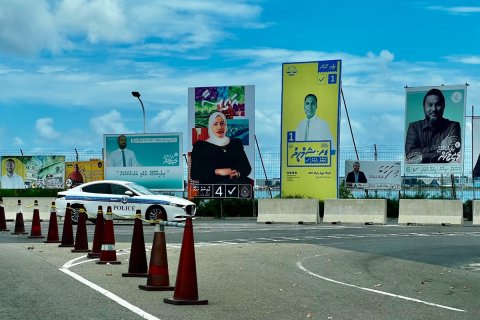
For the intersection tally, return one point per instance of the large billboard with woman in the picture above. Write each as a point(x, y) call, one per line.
point(222, 139)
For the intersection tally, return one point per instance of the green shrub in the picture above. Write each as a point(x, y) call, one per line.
point(34, 192)
point(344, 192)
point(223, 208)
point(468, 210)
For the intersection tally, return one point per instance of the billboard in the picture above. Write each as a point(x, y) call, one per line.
point(23, 172)
point(310, 128)
point(222, 157)
point(476, 147)
point(78, 172)
point(153, 160)
point(375, 175)
point(434, 130)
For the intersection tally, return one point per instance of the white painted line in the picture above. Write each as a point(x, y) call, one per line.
point(68, 264)
point(108, 294)
point(301, 267)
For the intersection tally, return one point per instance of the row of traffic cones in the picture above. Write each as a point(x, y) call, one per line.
point(36, 231)
point(185, 290)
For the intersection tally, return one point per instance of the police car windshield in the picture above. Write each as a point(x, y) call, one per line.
point(138, 188)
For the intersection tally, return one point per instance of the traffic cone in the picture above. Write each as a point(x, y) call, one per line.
point(81, 239)
point(108, 253)
point(19, 224)
point(67, 232)
point(158, 279)
point(97, 235)
point(3, 222)
point(52, 236)
point(186, 290)
point(137, 264)
point(36, 231)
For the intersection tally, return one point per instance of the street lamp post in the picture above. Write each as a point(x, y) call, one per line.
point(136, 94)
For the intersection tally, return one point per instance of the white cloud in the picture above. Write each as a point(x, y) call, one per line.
point(18, 142)
point(110, 122)
point(28, 28)
point(98, 21)
point(456, 10)
point(171, 120)
point(172, 25)
point(465, 59)
point(45, 129)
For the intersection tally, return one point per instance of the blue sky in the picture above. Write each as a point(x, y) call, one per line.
point(67, 68)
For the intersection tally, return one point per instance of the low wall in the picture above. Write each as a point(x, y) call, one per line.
point(11, 208)
point(428, 211)
point(476, 212)
point(355, 211)
point(288, 210)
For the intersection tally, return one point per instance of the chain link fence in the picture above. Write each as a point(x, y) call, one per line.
point(267, 172)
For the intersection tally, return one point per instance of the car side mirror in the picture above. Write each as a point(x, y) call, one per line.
point(129, 193)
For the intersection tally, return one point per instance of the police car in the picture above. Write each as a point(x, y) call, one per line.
point(125, 198)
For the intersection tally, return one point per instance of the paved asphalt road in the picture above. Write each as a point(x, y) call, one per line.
point(256, 271)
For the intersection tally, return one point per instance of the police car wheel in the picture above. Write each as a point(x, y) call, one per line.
point(155, 213)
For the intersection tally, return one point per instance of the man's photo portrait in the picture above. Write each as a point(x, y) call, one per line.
point(434, 121)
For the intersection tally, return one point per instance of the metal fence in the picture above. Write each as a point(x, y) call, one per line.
point(267, 172)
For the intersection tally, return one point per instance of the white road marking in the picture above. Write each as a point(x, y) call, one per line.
point(301, 267)
point(108, 294)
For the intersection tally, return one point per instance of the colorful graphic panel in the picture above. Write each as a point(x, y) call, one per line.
point(78, 172)
point(434, 130)
point(152, 160)
point(23, 172)
point(310, 128)
point(222, 122)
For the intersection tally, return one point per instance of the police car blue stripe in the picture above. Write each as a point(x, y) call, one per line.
point(122, 200)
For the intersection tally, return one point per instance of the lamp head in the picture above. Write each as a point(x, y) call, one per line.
point(136, 94)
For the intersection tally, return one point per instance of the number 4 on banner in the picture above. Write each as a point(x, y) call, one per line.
point(219, 192)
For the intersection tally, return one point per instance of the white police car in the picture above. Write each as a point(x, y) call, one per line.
point(125, 198)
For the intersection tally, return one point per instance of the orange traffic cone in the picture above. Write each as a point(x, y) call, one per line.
point(137, 264)
point(52, 236)
point(81, 239)
point(19, 224)
point(67, 233)
point(3, 221)
point(97, 235)
point(36, 231)
point(108, 253)
point(186, 290)
point(158, 279)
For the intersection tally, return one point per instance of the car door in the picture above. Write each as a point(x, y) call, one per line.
point(95, 195)
point(123, 205)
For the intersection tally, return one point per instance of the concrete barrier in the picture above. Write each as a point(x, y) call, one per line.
point(288, 210)
point(11, 207)
point(428, 211)
point(476, 212)
point(355, 211)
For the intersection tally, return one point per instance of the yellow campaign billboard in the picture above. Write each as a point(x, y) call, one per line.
point(310, 128)
point(79, 172)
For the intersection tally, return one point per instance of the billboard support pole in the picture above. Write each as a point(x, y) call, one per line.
point(263, 166)
point(221, 208)
point(473, 165)
point(349, 124)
